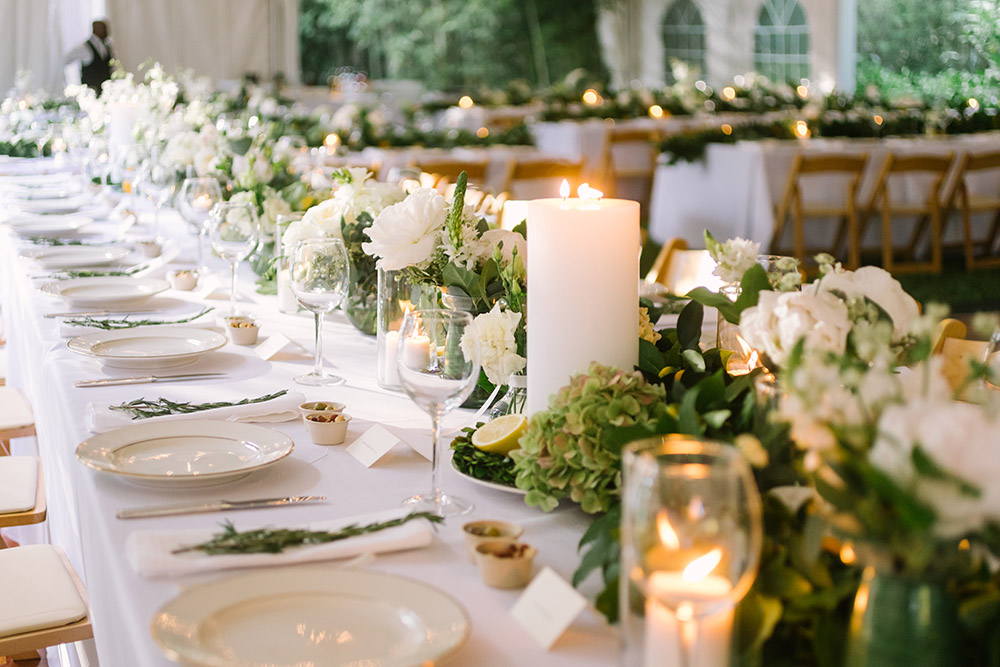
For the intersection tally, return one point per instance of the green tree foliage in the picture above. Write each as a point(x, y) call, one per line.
point(449, 44)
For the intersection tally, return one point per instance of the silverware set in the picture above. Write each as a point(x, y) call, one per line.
point(145, 379)
point(217, 506)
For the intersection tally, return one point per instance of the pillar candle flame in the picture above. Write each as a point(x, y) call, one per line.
point(701, 567)
point(564, 190)
point(668, 536)
point(588, 194)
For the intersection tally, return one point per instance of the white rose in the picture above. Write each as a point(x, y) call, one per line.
point(322, 220)
point(273, 207)
point(963, 440)
point(781, 319)
point(878, 285)
point(497, 349)
point(406, 234)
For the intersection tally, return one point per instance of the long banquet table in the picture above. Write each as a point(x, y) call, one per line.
point(82, 502)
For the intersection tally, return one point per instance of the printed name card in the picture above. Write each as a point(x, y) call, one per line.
point(208, 286)
point(372, 445)
point(548, 606)
point(274, 344)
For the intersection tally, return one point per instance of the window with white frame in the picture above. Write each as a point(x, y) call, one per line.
point(781, 41)
point(684, 36)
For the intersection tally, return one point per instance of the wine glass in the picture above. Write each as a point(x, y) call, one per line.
point(438, 373)
point(157, 183)
point(319, 273)
point(197, 198)
point(98, 163)
point(691, 539)
point(234, 230)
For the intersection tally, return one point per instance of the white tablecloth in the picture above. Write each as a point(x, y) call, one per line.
point(82, 502)
point(734, 189)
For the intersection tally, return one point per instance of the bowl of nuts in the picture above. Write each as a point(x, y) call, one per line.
point(477, 532)
point(242, 330)
point(505, 564)
point(183, 280)
point(321, 408)
point(327, 429)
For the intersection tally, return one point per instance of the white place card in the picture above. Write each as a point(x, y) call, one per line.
point(208, 286)
point(548, 606)
point(274, 344)
point(372, 445)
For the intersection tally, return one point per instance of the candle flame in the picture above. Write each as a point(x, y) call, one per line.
point(750, 354)
point(701, 567)
point(802, 129)
point(587, 193)
point(668, 536)
point(564, 189)
point(331, 141)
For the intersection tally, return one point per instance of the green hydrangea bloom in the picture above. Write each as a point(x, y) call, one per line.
point(562, 455)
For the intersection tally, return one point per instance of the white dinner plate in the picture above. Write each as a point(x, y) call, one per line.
point(105, 291)
point(184, 453)
point(148, 347)
point(49, 226)
point(489, 485)
point(317, 615)
point(74, 256)
point(59, 205)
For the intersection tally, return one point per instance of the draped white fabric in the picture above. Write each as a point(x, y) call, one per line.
point(222, 39)
point(35, 34)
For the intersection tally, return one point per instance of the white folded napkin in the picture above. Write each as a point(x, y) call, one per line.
point(149, 551)
point(99, 416)
point(206, 321)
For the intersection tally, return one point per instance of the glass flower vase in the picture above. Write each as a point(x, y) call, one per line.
point(899, 622)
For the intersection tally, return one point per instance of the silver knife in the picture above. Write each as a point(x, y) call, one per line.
point(94, 313)
point(144, 379)
point(218, 506)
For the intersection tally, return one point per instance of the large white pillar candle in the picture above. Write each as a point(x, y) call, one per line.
point(583, 295)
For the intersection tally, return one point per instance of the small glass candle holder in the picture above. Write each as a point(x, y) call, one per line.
point(691, 539)
point(394, 293)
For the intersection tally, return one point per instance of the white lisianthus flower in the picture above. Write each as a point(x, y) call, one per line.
point(510, 240)
point(960, 438)
point(273, 206)
point(407, 233)
point(497, 351)
point(734, 257)
point(781, 319)
point(320, 221)
point(879, 286)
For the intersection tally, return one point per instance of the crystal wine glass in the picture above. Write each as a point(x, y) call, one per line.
point(98, 163)
point(691, 541)
point(198, 196)
point(234, 230)
point(157, 183)
point(438, 374)
point(319, 273)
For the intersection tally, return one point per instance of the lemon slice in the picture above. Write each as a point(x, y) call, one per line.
point(500, 435)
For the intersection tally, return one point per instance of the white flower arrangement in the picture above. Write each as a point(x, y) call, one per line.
point(781, 319)
point(408, 233)
point(497, 347)
point(734, 257)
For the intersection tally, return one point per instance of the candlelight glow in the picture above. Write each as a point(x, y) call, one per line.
point(701, 567)
point(656, 111)
point(482, 133)
point(727, 129)
point(203, 201)
point(847, 554)
point(728, 93)
point(591, 97)
point(802, 129)
point(878, 120)
point(802, 91)
point(973, 103)
point(587, 193)
point(465, 102)
point(666, 532)
point(564, 189)
point(331, 141)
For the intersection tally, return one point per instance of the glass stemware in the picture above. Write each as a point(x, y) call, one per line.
point(319, 272)
point(234, 230)
point(198, 196)
point(98, 163)
point(438, 375)
point(157, 183)
point(691, 541)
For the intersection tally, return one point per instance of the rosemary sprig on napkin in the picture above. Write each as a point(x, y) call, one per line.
point(95, 273)
point(142, 408)
point(45, 240)
point(276, 540)
point(125, 323)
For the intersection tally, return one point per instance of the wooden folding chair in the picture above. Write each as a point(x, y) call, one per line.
point(640, 170)
point(957, 352)
point(536, 170)
point(16, 418)
point(680, 270)
point(449, 170)
point(45, 565)
point(845, 213)
point(970, 204)
point(31, 515)
point(927, 211)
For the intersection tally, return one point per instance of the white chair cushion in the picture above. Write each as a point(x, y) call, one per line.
point(38, 591)
point(15, 411)
point(18, 483)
